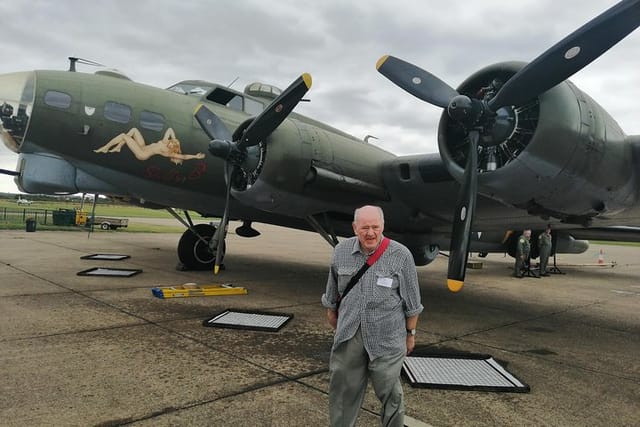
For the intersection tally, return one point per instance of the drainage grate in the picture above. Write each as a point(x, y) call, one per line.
point(106, 257)
point(252, 320)
point(109, 272)
point(468, 372)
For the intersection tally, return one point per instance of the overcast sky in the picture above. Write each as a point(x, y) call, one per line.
point(338, 42)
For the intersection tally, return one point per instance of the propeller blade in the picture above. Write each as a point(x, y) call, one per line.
point(275, 113)
point(570, 55)
point(418, 82)
point(465, 209)
point(222, 228)
point(211, 124)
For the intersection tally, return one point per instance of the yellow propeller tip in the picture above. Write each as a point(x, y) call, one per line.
point(216, 269)
point(455, 285)
point(381, 61)
point(198, 107)
point(307, 79)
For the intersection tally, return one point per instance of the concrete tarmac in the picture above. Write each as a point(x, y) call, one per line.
point(78, 351)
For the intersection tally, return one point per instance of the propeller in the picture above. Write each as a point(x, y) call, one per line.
point(477, 116)
point(465, 208)
point(421, 84)
point(234, 152)
point(570, 55)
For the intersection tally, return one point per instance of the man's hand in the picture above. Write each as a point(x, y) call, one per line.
point(332, 318)
point(411, 343)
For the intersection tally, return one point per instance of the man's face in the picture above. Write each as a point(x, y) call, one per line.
point(368, 227)
point(527, 234)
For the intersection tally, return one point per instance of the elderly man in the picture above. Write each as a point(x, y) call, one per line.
point(375, 322)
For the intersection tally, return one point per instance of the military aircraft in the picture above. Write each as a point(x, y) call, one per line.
point(520, 146)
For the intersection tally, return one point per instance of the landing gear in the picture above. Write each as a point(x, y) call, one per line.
point(195, 252)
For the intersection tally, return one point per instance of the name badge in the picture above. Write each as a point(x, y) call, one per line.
point(385, 282)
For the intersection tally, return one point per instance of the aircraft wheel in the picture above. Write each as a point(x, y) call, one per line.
point(195, 254)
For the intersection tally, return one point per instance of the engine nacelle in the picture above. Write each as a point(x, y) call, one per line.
point(424, 255)
point(299, 169)
point(560, 155)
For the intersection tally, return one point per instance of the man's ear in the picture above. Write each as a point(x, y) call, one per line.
point(355, 230)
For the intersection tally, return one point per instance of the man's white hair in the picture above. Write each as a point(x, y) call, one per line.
point(355, 213)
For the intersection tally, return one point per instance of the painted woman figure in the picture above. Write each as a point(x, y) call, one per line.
point(168, 146)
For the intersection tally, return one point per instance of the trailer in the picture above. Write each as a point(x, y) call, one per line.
point(107, 223)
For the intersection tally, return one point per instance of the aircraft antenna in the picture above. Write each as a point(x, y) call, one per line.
point(234, 80)
point(73, 60)
point(368, 137)
point(8, 172)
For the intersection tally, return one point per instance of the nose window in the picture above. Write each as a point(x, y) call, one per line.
point(16, 101)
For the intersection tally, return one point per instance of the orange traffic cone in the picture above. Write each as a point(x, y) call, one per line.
point(601, 257)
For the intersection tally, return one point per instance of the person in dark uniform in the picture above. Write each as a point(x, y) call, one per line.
point(523, 249)
point(544, 246)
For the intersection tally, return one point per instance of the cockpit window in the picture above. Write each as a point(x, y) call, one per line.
point(226, 98)
point(252, 107)
point(117, 112)
point(190, 89)
point(235, 101)
point(57, 99)
point(152, 121)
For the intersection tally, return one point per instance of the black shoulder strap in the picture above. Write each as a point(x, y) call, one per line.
point(351, 284)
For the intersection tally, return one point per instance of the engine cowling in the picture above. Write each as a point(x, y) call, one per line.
point(558, 155)
point(302, 169)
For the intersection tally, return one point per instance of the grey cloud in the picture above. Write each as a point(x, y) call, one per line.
point(338, 42)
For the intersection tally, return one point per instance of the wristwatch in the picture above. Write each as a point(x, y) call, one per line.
point(411, 332)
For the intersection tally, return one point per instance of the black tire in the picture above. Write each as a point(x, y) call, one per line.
point(193, 253)
point(104, 226)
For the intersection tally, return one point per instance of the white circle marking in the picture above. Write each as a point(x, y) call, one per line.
point(572, 53)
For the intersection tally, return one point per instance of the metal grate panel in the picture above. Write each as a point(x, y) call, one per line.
point(109, 272)
point(106, 257)
point(475, 373)
point(253, 320)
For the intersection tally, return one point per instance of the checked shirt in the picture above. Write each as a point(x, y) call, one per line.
point(379, 303)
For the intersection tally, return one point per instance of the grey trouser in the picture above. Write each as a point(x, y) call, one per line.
point(350, 368)
point(544, 259)
point(517, 271)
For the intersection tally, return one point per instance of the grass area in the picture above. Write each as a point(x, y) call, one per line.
point(13, 216)
point(132, 228)
point(102, 209)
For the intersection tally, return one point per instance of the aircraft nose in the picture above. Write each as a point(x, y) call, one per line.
point(16, 101)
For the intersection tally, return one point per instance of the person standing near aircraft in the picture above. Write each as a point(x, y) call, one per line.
point(544, 247)
point(374, 319)
point(523, 250)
